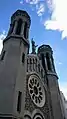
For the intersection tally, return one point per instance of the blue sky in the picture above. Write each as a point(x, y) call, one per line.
point(48, 26)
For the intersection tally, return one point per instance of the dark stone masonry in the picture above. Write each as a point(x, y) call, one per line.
point(28, 81)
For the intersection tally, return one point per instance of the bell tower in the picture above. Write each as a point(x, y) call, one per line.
point(45, 54)
point(20, 24)
point(13, 67)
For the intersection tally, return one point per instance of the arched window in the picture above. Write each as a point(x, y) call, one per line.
point(23, 57)
point(27, 65)
point(52, 63)
point(33, 65)
point(36, 64)
point(41, 73)
point(25, 30)
point(39, 67)
point(11, 28)
point(18, 29)
point(48, 61)
point(27, 116)
point(38, 118)
point(19, 101)
point(30, 64)
point(43, 61)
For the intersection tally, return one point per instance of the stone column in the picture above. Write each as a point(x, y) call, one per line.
point(41, 73)
point(15, 27)
point(50, 63)
point(27, 65)
point(27, 32)
point(38, 67)
point(22, 28)
point(33, 64)
point(53, 64)
point(45, 63)
point(36, 64)
point(10, 29)
point(30, 64)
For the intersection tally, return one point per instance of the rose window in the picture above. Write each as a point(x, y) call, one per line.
point(36, 91)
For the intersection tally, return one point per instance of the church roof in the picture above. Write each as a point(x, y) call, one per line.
point(20, 13)
point(43, 47)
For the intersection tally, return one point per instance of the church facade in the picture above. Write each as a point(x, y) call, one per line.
point(28, 81)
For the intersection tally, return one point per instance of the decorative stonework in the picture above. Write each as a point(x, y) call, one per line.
point(21, 14)
point(38, 117)
point(36, 114)
point(36, 91)
point(30, 105)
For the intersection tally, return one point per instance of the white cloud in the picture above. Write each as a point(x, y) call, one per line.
point(60, 63)
point(40, 9)
point(1, 45)
point(21, 2)
point(58, 10)
point(32, 1)
point(58, 20)
point(63, 88)
point(2, 36)
point(49, 4)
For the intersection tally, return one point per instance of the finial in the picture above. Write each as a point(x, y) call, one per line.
point(33, 46)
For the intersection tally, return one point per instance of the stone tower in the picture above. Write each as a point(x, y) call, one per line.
point(28, 81)
point(42, 100)
point(45, 54)
point(13, 67)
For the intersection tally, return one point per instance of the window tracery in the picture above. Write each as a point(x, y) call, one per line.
point(36, 91)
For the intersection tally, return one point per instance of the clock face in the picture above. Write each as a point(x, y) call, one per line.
point(36, 90)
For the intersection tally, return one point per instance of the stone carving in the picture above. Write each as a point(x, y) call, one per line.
point(33, 46)
point(36, 91)
point(30, 106)
point(21, 13)
point(36, 114)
